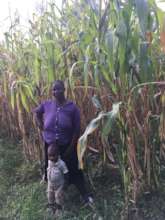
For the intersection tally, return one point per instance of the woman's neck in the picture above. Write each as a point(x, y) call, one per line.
point(61, 102)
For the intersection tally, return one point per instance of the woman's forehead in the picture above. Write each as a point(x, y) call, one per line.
point(58, 85)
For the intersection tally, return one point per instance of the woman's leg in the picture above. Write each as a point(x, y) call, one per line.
point(76, 175)
point(45, 161)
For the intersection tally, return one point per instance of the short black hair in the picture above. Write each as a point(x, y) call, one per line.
point(59, 82)
point(53, 150)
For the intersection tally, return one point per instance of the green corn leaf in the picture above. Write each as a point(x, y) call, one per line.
point(24, 99)
point(86, 64)
point(12, 98)
point(71, 77)
point(142, 12)
point(50, 74)
point(36, 67)
point(109, 79)
point(96, 75)
point(28, 91)
point(92, 126)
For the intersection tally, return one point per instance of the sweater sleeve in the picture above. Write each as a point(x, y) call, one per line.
point(39, 110)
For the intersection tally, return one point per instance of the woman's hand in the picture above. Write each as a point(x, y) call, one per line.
point(40, 125)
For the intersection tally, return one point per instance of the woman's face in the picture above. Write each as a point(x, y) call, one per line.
point(58, 91)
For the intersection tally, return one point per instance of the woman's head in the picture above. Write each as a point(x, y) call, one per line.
point(58, 90)
point(53, 152)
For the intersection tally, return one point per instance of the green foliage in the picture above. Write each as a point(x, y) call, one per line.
point(111, 48)
point(93, 125)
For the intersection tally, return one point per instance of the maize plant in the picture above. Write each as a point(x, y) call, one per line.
point(111, 56)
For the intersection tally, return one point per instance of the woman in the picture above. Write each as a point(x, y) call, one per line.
point(59, 121)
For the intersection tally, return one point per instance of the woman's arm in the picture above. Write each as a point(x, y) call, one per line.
point(39, 111)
